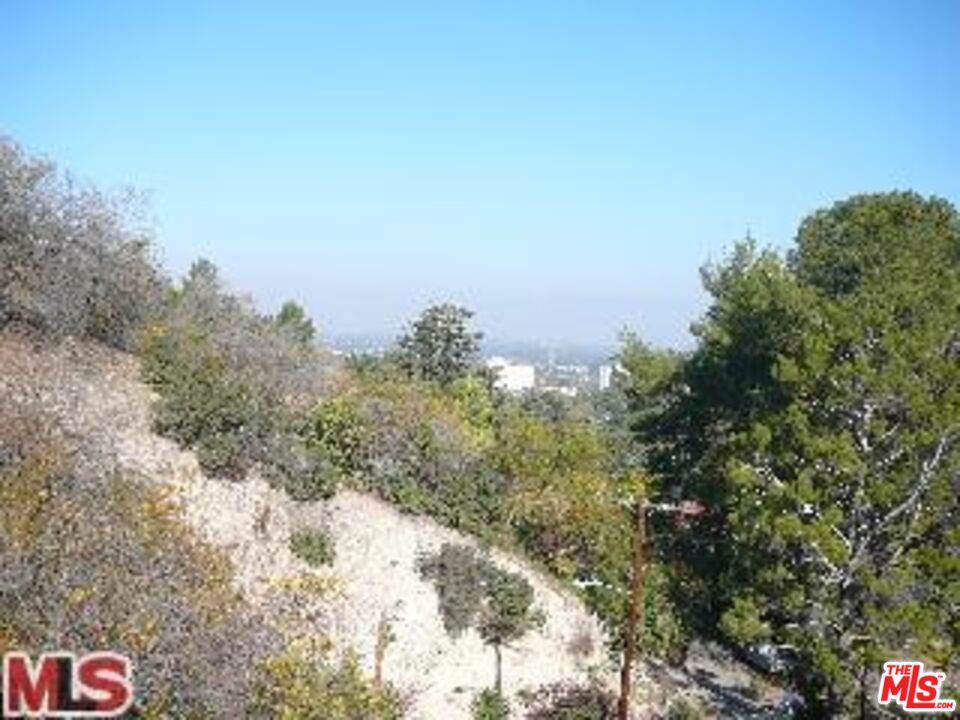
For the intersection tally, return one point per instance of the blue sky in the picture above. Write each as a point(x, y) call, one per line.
point(563, 168)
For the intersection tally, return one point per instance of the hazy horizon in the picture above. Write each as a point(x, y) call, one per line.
point(562, 169)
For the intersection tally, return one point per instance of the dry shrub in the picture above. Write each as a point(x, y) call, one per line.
point(73, 261)
point(581, 645)
point(95, 559)
point(305, 682)
point(569, 701)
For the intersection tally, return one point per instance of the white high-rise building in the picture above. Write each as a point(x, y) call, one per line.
point(604, 376)
point(513, 377)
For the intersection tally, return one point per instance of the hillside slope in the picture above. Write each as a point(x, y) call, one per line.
point(372, 590)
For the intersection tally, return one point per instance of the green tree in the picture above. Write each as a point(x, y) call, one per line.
point(820, 424)
point(473, 592)
point(647, 385)
point(563, 499)
point(440, 345)
point(646, 382)
point(507, 615)
point(293, 319)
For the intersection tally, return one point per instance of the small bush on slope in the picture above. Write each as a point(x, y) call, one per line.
point(297, 685)
point(489, 705)
point(92, 559)
point(72, 260)
point(314, 547)
point(683, 708)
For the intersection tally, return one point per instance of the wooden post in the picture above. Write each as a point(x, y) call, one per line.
point(383, 635)
point(634, 610)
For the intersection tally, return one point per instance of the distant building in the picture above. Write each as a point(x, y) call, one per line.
point(513, 377)
point(567, 390)
point(604, 376)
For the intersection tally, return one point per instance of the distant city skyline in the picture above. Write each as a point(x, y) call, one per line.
point(562, 169)
point(559, 351)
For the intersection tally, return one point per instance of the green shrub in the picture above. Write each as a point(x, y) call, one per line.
point(416, 446)
point(564, 500)
point(202, 407)
point(312, 479)
point(489, 705)
point(338, 431)
point(315, 547)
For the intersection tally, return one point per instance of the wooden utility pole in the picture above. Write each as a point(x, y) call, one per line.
point(634, 609)
point(635, 603)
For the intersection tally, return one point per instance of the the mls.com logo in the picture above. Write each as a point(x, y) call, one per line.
point(914, 690)
point(63, 685)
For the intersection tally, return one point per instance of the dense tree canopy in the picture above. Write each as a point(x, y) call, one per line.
point(440, 346)
point(820, 423)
